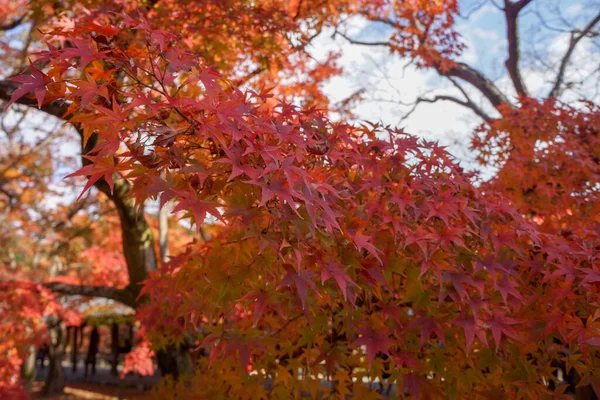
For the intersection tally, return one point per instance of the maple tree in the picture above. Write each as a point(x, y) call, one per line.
point(341, 253)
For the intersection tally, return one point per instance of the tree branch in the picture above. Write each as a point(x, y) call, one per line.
point(464, 103)
point(471, 104)
point(13, 24)
point(459, 70)
point(511, 13)
point(359, 42)
point(519, 5)
point(81, 290)
point(479, 81)
point(120, 295)
point(575, 38)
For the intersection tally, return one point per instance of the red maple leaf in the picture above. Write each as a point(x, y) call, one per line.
point(337, 272)
point(102, 167)
point(35, 82)
point(259, 298)
point(500, 325)
point(302, 280)
point(375, 341)
point(363, 242)
point(88, 89)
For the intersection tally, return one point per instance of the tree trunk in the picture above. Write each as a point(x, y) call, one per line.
point(176, 360)
point(167, 362)
point(74, 349)
point(55, 382)
point(114, 346)
point(28, 371)
point(163, 231)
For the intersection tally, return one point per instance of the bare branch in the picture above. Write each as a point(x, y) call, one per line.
point(452, 99)
point(298, 9)
point(459, 70)
point(13, 24)
point(470, 103)
point(473, 10)
point(575, 38)
point(26, 45)
point(244, 79)
point(511, 12)
point(479, 81)
point(81, 290)
point(120, 295)
point(360, 42)
point(36, 147)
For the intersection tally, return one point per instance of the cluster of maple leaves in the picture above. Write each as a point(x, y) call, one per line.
point(345, 253)
point(559, 147)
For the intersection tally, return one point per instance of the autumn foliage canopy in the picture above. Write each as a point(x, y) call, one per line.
point(340, 252)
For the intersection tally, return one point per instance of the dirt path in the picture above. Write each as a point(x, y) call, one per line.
point(90, 391)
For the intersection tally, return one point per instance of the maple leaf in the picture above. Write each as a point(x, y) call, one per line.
point(259, 299)
point(508, 287)
point(200, 209)
point(502, 325)
point(427, 326)
point(375, 342)
point(88, 89)
point(362, 242)
point(412, 383)
point(398, 214)
point(116, 118)
point(83, 49)
point(586, 334)
point(301, 279)
point(472, 327)
point(229, 345)
point(35, 82)
point(101, 167)
point(336, 271)
point(404, 359)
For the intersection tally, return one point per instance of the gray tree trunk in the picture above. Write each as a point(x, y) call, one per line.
point(55, 381)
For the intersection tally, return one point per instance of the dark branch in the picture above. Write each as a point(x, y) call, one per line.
point(120, 295)
point(575, 38)
point(13, 24)
point(479, 81)
point(81, 290)
point(519, 5)
point(511, 12)
point(298, 9)
point(471, 104)
point(464, 103)
point(360, 42)
point(459, 70)
point(244, 79)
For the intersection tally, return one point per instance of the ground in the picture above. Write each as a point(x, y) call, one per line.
point(103, 385)
point(92, 391)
